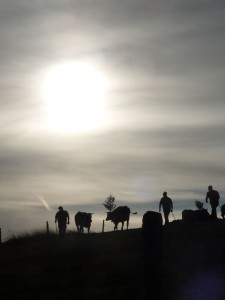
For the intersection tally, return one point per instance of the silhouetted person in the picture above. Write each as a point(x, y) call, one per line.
point(62, 217)
point(167, 206)
point(213, 197)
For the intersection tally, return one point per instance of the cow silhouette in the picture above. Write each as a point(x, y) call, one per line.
point(83, 220)
point(189, 215)
point(222, 211)
point(119, 215)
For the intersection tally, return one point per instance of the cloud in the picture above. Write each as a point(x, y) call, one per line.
point(165, 62)
point(44, 202)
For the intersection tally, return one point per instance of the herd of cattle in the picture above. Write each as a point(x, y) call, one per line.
point(189, 215)
point(122, 214)
point(119, 215)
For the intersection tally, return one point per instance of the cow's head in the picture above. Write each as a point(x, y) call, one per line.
point(90, 217)
point(109, 216)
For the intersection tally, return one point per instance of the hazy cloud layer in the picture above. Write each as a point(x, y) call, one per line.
point(165, 63)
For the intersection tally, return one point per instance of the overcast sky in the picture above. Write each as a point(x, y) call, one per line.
point(164, 62)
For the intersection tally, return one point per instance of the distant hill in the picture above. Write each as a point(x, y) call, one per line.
point(110, 265)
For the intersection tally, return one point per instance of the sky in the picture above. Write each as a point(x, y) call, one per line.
point(107, 96)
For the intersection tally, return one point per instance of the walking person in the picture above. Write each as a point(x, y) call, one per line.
point(167, 205)
point(213, 197)
point(62, 217)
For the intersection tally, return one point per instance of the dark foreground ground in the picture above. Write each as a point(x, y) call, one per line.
point(111, 266)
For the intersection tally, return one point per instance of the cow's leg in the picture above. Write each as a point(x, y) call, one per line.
point(115, 227)
point(122, 226)
point(127, 224)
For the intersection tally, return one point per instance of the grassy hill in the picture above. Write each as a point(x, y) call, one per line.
point(111, 266)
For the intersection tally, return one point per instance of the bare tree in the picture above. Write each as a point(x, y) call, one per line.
point(110, 203)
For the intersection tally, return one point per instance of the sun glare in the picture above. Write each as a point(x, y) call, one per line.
point(74, 94)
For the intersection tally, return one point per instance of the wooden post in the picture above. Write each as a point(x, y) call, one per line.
point(152, 230)
point(0, 235)
point(47, 227)
point(103, 225)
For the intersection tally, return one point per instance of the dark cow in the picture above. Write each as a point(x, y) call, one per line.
point(83, 219)
point(189, 215)
point(152, 225)
point(119, 215)
point(222, 211)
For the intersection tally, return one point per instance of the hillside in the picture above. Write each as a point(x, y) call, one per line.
point(110, 265)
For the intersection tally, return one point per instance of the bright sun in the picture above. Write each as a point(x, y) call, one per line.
point(74, 94)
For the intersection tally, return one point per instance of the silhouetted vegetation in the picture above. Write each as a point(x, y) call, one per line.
point(111, 265)
point(199, 204)
point(110, 203)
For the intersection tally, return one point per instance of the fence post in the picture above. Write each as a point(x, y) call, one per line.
point(152, 230)
point(0, 235)
point(47, 227)
point(103, 225)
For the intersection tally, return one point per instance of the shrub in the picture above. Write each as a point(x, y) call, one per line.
point(199, 204)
